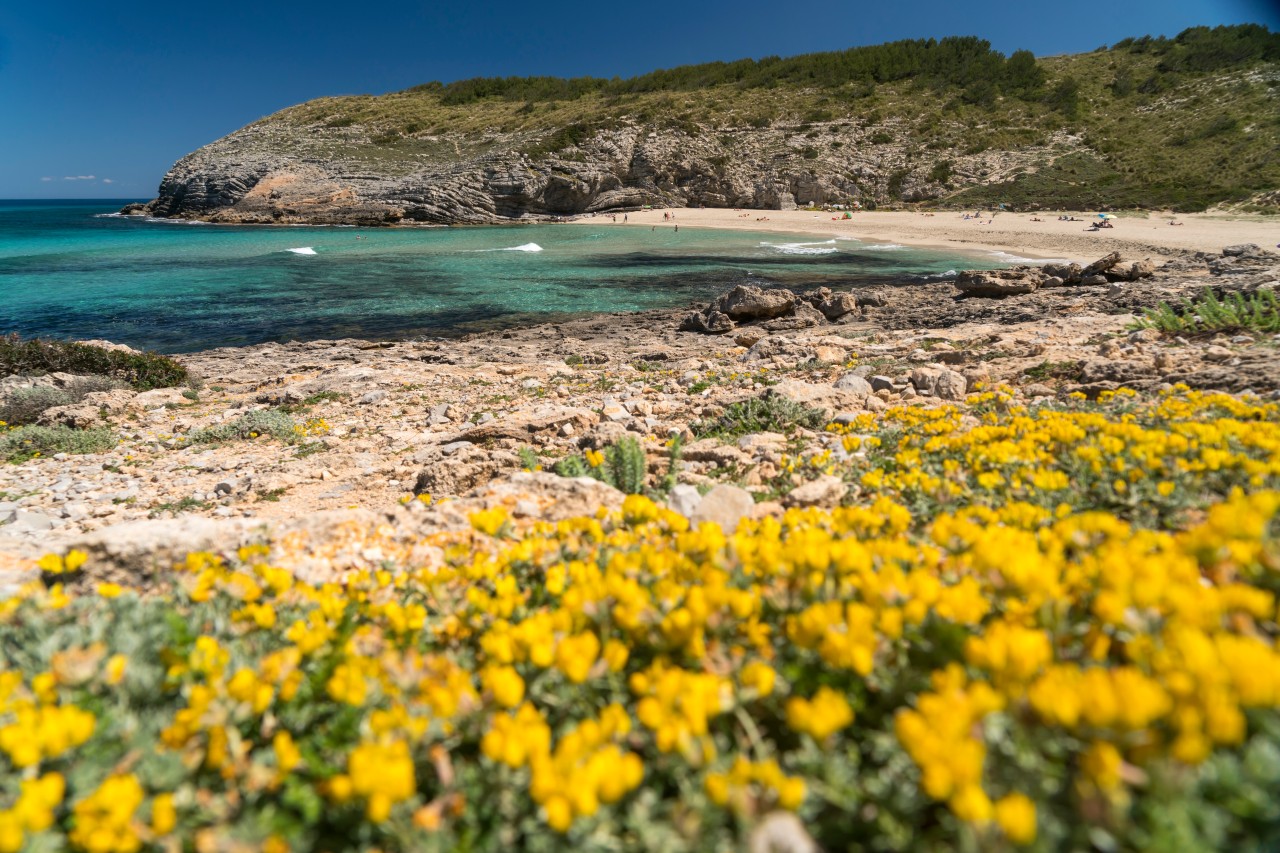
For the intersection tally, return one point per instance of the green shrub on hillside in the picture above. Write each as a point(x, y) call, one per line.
point(25, 405)
point(767, 413)
point(272, 422)
point(27, 442)
point(143, 371)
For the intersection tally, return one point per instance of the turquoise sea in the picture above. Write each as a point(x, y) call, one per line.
point(72, 270)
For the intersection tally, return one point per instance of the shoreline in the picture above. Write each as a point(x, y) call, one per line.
point(1016, 234)
point(1043, 239)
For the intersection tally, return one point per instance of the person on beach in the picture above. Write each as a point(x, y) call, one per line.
point(624, 219)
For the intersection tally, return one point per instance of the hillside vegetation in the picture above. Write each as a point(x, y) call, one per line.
point(1188, 122)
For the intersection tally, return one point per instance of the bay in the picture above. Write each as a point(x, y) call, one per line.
point(72, 270)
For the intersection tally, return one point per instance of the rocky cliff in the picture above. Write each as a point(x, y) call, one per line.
point(272, 172)
point(1141, 125)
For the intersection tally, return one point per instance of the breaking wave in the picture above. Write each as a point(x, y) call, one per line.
point(826, 247)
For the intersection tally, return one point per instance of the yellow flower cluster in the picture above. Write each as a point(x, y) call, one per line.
point(571, 676)
point(381, 774)
point(746, 784)
point(39, 728)
point(32, 812)
point(586, 768)
point(104, 820)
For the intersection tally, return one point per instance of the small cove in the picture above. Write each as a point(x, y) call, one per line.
point(68, 270)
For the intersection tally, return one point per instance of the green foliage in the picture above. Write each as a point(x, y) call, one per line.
point(272, 422)
point(674, 454)
point(27, 442)
point(566, 137)
point(1065, 97)
point(626, 467)
point(941, 171)
point(573, 466)
point(1122, 86)
point(1068, 370)
point(529, 459)
point(950, 95)
point(1257, 312)
point(186, 505)
point(767, 413)
point(25, 405)
point(622, 465)
point(143, 371)
point(955, 61)
point(1201, 49)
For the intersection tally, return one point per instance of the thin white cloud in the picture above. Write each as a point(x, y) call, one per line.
point(46, 179)
point(107, 181)
point(79, 178)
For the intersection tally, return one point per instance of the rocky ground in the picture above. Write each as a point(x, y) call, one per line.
point(377, 424)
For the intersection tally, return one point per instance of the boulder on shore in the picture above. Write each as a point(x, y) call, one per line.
point(778, 309)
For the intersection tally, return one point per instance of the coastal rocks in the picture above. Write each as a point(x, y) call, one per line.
point(1027, 279)
point(724, 505)
point(708, 322)
point(1058, 275)
point(523, 425)
point(826, 397)
point(548, 497)
point(854, 384)
point(774, 309)
point(833, 306)
point(940, 382)
point(998, 283)
point(746, 303)
point(457, 468)
point(1100, 266)
point(826, 491)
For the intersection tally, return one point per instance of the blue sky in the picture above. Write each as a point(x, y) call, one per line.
point(99, 99)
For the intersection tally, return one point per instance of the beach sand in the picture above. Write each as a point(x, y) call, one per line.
point(1134, 235)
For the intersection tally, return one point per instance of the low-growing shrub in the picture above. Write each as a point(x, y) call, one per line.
point(1257, 312)
point(623, 465)
point(1066, 370)
point(272, 422)
point(767, 413)
point(143, 371)
point(25, 405)
point(26, 442)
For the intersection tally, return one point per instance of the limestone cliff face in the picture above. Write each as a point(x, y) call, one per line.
point(276, 172)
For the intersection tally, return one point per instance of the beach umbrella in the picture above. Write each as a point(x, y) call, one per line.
point(1106, 216)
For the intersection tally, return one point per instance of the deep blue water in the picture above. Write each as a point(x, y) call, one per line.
point(70, 270)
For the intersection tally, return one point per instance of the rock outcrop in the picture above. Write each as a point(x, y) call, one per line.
point(295, 167)
point(1028, 279)
point(774, 309)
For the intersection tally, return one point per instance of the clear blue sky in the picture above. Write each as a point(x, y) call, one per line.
point(109, 95)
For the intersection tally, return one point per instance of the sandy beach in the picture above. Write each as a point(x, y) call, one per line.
point(1017, 234)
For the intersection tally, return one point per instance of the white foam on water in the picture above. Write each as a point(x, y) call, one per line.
point(826, 247)
point(303, 250)
point(527, 247)
point(162, 220)
point(947, 274)
point(885, 246)
point(1015, 259)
